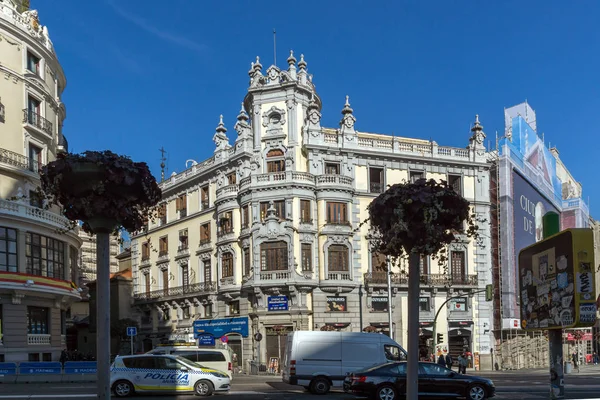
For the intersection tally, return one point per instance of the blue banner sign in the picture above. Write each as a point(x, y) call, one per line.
point(81, 367)
point(46, 368)
point(221, 327)
point(206, 340)
point(277, 303)
point(7, 368)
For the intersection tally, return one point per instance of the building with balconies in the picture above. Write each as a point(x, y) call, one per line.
point(36, 259)
point(266, 230)
point(87, 257)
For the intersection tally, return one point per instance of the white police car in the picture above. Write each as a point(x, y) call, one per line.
point(164, 374)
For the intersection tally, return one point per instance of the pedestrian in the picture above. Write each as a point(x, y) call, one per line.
point(595, 358)
point(441, 360)
point(576, 361)
point(63, 357)
point(463, 362)
point(448, 361)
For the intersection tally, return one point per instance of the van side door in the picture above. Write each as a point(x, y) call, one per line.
point(358, 355)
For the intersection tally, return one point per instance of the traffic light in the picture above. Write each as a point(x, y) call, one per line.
point(440, 338)
point(489, 292)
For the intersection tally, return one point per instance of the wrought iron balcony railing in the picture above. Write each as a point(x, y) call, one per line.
point(380, 278)
point(19, 160)
point(34, 118)
point(178, 291)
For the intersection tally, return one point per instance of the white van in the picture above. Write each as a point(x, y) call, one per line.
point(219, 359)
point(319, 360)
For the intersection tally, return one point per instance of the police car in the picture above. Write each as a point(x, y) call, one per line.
point(165, 374)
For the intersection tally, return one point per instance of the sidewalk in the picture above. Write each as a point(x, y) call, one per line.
point(584, 370)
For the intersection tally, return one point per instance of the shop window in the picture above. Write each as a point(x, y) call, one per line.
point(379, 304)
point(273, 256)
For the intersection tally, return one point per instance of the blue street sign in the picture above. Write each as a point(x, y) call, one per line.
point(81, 367)
point(277, 303)
point(46, 368)
point(221, 327)
point(206, 340)
point(7, 368)
point(131, 331)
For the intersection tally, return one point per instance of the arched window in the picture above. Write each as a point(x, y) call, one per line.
point(337, 258)
point(273, 256)
point(275, 161)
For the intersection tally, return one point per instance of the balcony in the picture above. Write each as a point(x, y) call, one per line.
point(376, 187)
point(228, 192)
point(38, 339)
point(193, 289)
point(275, 275)
point(182, 251)
point(461, 281)
point(18, 161)
point(278, 179)
point(335, 182)
point(22, 210)
point(33, 118)
point(339, 276)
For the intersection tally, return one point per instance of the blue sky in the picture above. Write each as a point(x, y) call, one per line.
point(146, 73)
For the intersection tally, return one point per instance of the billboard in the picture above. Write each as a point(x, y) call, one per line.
point(557, 282)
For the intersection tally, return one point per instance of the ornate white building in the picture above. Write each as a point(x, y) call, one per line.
point(35, 259)
point(260, 237)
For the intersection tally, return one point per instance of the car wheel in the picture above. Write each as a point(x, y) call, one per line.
point(386, 392)
point(203, 388)
point(476, 392)
point(123, 388)
point(320, 386)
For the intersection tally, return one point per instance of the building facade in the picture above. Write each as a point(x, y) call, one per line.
point(262, 237)
point(528, 180)
point(35, 258)
point(87, 257)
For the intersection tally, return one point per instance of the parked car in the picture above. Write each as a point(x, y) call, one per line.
point(388, 382)
point(319, 360)
point(150, 373)
point(219, 359)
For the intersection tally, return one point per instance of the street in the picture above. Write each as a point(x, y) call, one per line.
point(530, 384)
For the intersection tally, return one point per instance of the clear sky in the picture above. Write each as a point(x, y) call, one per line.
point(147, 73)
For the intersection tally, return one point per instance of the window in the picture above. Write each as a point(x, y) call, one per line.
point(455, 182)
point(8, 251)
point(207, 271)
point(162, 214)
point(379, 304)
point(165, 281)
point(205, 233)
point(147, 282)
point(186, 312)
point(306, 256)
point(231, 178)
point(393, 353)
point(416, 175)
point(376, 180)
point(275, 161)
point(247, 265)
point(204, 198)
point(181, 205)
point(226, 265)
point(163, 246)
point(457, 265)
point(273, 256)
point(37, 321)
point(432, 369)
point(33, 112)
point(279, 206)
point(332, 169)
point(208, 311)
point(183, 240)
point(378, 262)
point(234, 308)
point(225, 223)
point(305, 212)
point(424, 266)
point(145, 251)
point(33, 63)
point(424, 304)
point(245, 217)
point(185, 277)
point(337, 258)
point(35, 158)
point(35, 199)
point(45, 256)
point(337, 213)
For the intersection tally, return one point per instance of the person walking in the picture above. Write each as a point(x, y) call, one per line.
point(576, 361)
point(63, 357)
point(595, 358)
point(441, 360)
point(449, 361)
point(463, 362)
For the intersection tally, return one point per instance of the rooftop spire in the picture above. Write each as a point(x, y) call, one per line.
point(347, 109)
point(302, 63)
point(477, 127)
point(242, 116)
point(257, 64)
point(221, 127)
point(291, 59)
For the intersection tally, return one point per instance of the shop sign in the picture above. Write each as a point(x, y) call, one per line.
point(336, 304)
point(277, 303)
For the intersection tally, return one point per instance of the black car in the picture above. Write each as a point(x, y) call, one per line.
point(388, 382)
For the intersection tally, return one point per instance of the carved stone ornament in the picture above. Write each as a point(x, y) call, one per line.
point(290, 103)
point(273, 75)
point(273, 120)
point(307, 238)
point(338, 239)
point(245, 243)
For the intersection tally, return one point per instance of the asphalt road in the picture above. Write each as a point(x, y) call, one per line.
point(509, 385)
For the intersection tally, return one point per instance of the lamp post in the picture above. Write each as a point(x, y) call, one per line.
point(360, 310)
point(389, 290)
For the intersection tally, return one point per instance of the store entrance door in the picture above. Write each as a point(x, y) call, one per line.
point(276, 346)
